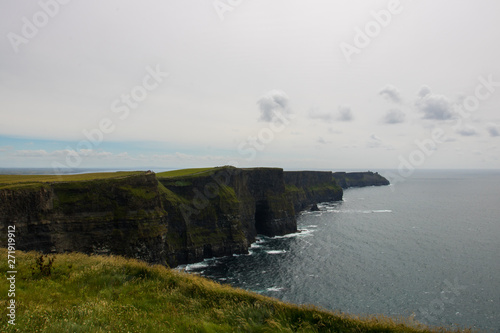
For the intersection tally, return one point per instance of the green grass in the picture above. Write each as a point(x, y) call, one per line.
point(7, 181)
point(112, 294)
point(184, 172)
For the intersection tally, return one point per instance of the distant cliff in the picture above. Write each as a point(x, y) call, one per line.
point(359, 179)
point(170, 218)
point(305, 188)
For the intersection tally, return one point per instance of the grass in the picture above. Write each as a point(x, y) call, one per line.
point(184, 172)
point(7, 181)
point(111, 294)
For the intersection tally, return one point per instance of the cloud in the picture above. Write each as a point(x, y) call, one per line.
point(434, 106)
point(394, 116)
point(322, 141)
point(94, 153)
point(69, 152)
point(273, 101)
point(467, 131)
point(334, 131)
point(345, 113)
point(424, 91)
point(124, 155)
point(191, 158)
point(31, 153)
point(316, 113)
point(493, 130)
point(376, 142)
point(391, 93)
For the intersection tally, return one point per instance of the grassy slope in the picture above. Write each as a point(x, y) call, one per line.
point(17, 180)
point(113, 294)
point(183, 172)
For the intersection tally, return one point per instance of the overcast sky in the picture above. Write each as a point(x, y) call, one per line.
point(296, 84)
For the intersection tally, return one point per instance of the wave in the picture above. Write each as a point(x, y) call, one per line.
point(198, 265)
point(275, 251)
point(299, 233)
point(355, 211)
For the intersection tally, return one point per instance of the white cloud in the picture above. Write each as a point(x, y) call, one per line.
point(394, 116)
point(191, 158)
point(434, 106)
point(31, 153)
point(424, 91)
point(345, 113)
point(493, 130)
point(68, 152)
point(273, 101)
point(374, 142)
point(322, 140)
point(124, 155)
point(391, 93)
point(467, 131)
point(316, 113)
point(334, 131)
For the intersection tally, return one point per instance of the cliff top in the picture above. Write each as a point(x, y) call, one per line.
point(27, 180)
point(185, 172)
point(352, 179)
point(194, 172)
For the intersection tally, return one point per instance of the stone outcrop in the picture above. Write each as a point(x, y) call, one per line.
point(161, 218)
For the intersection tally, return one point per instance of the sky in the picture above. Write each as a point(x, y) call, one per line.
point(333, 85)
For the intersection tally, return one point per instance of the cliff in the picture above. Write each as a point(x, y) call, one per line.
point(120, 215)
point(169, 218)
point(305, 188)
point(220, 211)
point(359, 179)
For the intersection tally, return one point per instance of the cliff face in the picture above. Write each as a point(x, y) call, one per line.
point(305, 188)
point(220, 212)
point(162, 218)
point(120, 216)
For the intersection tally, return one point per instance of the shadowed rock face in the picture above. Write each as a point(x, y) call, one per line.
point(119, 216)
point(306, 188)
point(162, 220)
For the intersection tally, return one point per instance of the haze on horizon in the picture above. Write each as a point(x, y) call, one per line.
point(300, 85)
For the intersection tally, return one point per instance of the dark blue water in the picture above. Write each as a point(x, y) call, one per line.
point(428, 247)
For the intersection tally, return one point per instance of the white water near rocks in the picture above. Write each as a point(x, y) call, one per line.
point(427, 247)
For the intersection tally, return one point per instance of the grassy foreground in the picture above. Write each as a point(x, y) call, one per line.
point(112, 294)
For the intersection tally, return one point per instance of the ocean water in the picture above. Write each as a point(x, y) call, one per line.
point(428, 247)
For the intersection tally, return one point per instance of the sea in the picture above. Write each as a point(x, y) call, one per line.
point(425, 248)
